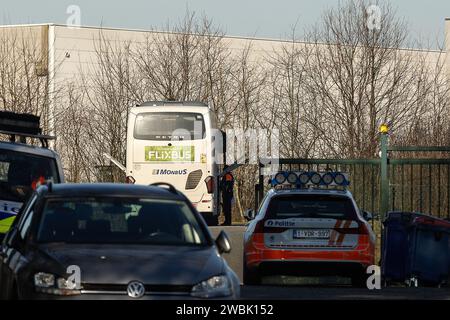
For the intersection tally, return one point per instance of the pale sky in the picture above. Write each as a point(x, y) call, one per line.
point(254, 18)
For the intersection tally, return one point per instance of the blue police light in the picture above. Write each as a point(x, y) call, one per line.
point(280, 178)
point(303, 178)
point(292, 177)
point(340, 179)
point(327, 178)
point(315, 177)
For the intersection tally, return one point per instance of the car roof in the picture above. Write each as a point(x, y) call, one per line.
point(109, 189)
point(26, 148)
point(344, 193)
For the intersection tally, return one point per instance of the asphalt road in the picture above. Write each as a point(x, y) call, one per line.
point(315, 289)
point(234, 258)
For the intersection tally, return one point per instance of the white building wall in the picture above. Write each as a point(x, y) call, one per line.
point(447, 46)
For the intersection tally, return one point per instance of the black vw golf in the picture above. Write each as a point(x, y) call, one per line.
point(94, 241)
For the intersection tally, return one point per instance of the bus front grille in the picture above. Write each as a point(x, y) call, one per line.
point(193, 179)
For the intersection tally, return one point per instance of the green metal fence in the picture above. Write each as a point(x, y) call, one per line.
point(389, 183)
point(364, 176)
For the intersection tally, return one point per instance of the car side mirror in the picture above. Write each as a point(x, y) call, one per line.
point(223, 242)
point(249, 214)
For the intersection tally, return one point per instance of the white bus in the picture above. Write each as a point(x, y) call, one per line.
point(172, 142)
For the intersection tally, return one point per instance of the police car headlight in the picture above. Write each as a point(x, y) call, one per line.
point(315, 178)
point(280, 178)
point(217, 286)
point(292, 178)
point(303, 178)
point(327, 178)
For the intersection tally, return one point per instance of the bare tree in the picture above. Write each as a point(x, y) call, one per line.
point(23, 73)
point(113, 87)
point(290, 99)
point(362, 77)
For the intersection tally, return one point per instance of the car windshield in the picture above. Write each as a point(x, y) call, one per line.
point(21, 173)
point(169, 126)
point(311, 206)
point(119, 220)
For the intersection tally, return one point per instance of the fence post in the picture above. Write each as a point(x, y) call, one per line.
point(384, 192)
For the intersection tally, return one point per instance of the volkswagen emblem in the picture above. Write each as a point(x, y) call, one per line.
point(135, 289)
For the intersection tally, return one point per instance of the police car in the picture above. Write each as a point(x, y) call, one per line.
point(23, 166)
point(308, 225)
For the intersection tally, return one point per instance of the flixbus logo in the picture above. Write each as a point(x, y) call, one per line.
point(169, 172)
point(169, 153)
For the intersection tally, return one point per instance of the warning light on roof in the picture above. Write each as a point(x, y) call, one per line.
point(384, 128)
point(312, 178)
point(280, 177)
point(292, 178)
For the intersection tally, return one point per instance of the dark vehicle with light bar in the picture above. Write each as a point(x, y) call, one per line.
point(113, 241)
point(23, 166)
point(308, 225)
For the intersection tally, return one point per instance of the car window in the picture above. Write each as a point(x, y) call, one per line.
point(120, 220)
point(311, 206)
point(21, 173)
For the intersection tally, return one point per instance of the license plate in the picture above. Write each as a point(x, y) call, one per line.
point(312, 234)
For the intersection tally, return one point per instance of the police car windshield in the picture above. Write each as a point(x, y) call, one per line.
point(120, 220)
point(311, 206)
point(21, 173)
point(169, 126)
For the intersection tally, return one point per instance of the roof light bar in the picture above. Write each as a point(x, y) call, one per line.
point(22, 125)
point(287, 179)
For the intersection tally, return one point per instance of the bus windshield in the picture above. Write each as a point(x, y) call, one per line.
point(169, 126)
point(21, 173)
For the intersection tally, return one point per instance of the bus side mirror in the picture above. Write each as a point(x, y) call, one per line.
point(249, 214)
